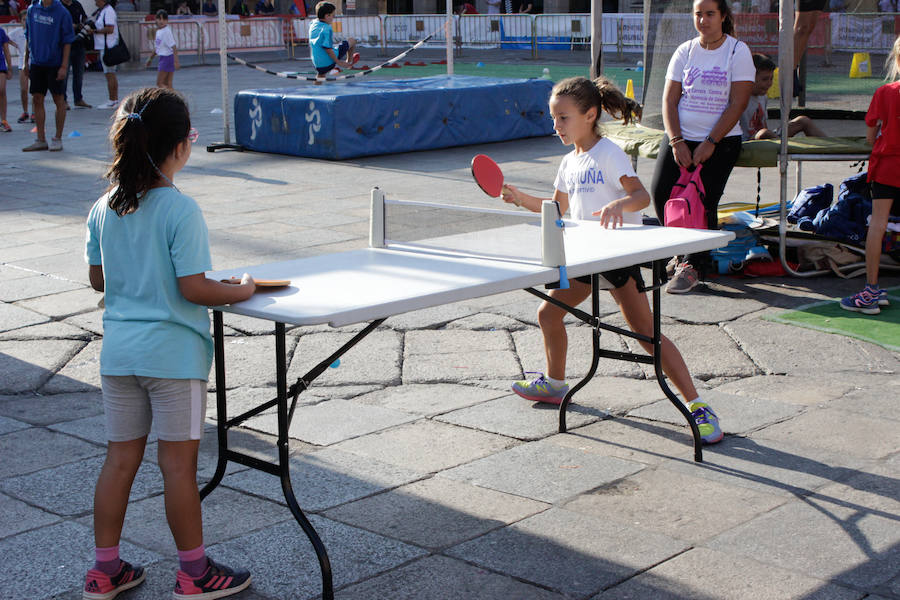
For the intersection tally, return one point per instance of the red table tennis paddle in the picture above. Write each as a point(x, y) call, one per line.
point(487, 175)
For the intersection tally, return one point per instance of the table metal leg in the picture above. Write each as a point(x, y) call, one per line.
point(282, 469)
point(221, 416)
point(285, 467)
point(595, 358)
point(658, 280)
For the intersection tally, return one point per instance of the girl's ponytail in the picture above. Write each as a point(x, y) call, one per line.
point(148, 126)
point(613, 101)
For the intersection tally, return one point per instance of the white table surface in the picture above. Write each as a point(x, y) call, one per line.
point(373, 283)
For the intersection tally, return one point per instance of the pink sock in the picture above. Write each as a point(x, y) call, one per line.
point(193, 562)
point(107, 560)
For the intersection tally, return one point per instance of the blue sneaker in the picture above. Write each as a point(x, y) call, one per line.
point(865, 302)
point(707, 422)
point(540, 390)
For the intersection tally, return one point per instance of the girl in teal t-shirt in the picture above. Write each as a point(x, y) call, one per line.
point(148, 250)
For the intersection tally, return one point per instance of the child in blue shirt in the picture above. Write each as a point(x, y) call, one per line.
point(321, 42)
point(148, 250)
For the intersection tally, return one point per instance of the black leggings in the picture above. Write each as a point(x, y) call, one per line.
point(715, 173)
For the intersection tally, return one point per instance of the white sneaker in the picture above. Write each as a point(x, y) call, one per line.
point(55, 145)
point(334, 71)
point(109, 104)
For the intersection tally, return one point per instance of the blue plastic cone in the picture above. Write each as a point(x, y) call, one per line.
point(74, 134)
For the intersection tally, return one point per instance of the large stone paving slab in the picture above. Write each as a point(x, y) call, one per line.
point(707, 350)
point(853, 528)
point(28, 450)
point(426, 446)
point(64, 304)
point(515, 417)
point(456, 355)
point(430, 318)
point(486, 322)
point(333, 421)
point(16, 317)
point(782, 467)
point(838, 431)
point(787, 388)
point(17, 516)
point(81, 373)
point(374, 360)
point(46, 410)
point(60, 553)
point(785, 349)
point(737, 414)
point(436, 513)
point(73, 491)
point(326, 478)
point(544, 471)
point(675, 504)
point(31, 287)
point(736, 577)
point(284, 565)
point(569, 552)
point(875, 403)
point(55, 330)
point(443, 578)
point(26, 365)
point(8, 425)
point(636, 440)
point(250, 361)
point(428, 399)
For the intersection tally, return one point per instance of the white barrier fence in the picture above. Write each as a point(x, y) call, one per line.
point(623, 33)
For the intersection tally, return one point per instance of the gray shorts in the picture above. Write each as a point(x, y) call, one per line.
point(131, 403)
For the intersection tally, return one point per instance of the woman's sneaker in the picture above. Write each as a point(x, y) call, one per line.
point(865, 302)
point(100, 586)
point(707, 422)
point(540, 390)
point(4, 127)
point(217, 581)
point(684, 280)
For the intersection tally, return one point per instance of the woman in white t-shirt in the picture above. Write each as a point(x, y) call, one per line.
point(708, 84)
point(106, 35)
point(596, 181)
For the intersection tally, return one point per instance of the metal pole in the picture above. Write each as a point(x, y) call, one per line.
point(449, 37)
point(223, 65)
point(596, 38)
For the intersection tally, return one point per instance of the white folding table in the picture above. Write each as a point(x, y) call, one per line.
point(372, 284)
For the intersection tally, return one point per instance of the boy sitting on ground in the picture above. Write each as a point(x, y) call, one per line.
point(321, 42)
point(754, 121)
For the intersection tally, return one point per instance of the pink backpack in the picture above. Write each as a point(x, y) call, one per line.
point(685, 205)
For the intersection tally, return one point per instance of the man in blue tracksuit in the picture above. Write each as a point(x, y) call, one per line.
point(50, 36)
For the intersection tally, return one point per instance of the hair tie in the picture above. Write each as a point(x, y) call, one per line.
point(136, 116)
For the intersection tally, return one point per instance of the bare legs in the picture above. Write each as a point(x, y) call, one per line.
point(881, 211)
point(804, 25)
point(178, 463)
point(112, 86)
point(636, 311)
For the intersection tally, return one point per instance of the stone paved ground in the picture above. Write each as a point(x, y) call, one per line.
point(423, 475)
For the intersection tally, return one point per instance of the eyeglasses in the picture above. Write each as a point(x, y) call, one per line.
point(192, 135)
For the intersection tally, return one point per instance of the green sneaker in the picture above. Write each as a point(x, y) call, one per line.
point(707, 422)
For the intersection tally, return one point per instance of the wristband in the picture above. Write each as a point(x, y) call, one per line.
point(711, 141)
point(676, 139)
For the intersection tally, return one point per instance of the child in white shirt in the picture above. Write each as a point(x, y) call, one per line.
point(165, 48)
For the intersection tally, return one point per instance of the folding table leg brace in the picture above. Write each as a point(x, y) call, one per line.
point(285, 415)
point(656, 360)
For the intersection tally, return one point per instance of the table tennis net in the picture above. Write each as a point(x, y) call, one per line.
point(511, 235)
